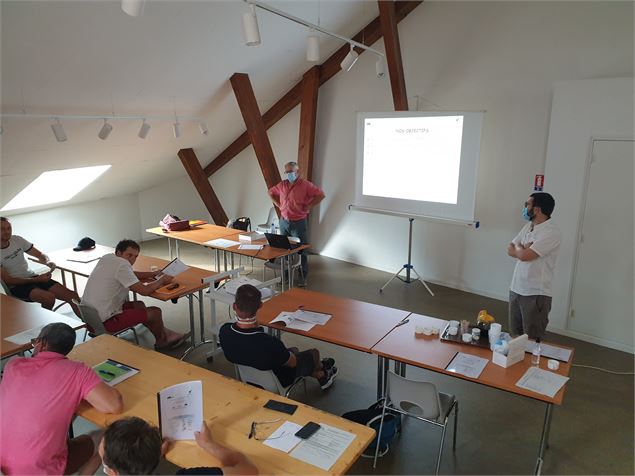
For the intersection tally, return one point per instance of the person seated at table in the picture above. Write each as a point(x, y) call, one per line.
point(38, 398)
point(107, 291)
point(23, 283)
point(133, 446)
point(244, 342)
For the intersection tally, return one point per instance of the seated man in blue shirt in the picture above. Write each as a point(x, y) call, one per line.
point(244, 342)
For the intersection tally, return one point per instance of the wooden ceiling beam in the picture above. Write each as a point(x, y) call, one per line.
point(308, 119)
point(256, 129)
point(388, 21)
point(203, 187)
point(368, 35)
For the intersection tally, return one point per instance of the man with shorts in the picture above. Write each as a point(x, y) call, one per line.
point(133, 446)
point(22, 282)
point(38, 399)
point(244, 342)
point(107, 291)
point(536, 248)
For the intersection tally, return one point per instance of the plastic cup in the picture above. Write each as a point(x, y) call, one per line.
point(467, 337)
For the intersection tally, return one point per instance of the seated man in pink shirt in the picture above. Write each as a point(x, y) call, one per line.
point(295, 197)
point(38, 398)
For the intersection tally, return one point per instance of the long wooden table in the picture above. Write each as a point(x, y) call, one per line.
point(202, 234)
point(19, 316)
point(190, 281)
point(354, 324)
point(229, 405)
point(404, 347)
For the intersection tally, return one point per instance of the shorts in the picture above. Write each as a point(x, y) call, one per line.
point(128, 317)
point(23, 291)
point(529, 315)
point(305, 366)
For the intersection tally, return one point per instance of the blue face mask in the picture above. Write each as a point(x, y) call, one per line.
point(292, 176)
point(526, 214)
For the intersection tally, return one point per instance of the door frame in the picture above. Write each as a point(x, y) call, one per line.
point(576, 256)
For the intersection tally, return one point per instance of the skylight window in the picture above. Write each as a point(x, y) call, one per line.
point(55, 186)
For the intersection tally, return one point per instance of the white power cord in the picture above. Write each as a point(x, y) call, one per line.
point(603, 370)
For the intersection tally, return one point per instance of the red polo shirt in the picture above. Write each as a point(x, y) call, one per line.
point(295, 198)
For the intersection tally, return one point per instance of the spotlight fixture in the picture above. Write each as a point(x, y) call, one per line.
point(350, 59)
point(313, 47)
point(132, 7)
point(58, 130)
point(177, 129)
point(105, 130)
point(250, 27)
point(144, 130)
point(202, 126)
point(380, 67)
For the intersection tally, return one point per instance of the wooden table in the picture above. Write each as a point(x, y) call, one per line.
point(404, 347)
point(19, 316)
point(191, 281)
point(230, 405)
point(354, 324)
point(201, 235)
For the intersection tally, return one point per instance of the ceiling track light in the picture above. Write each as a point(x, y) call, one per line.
point(313, 47)
point(144, 130)
point(250, 27)
point(349, 61)
point(202, 126)
point(105, 130)
point(177, 129)
point(58, 130)
point(134, 8)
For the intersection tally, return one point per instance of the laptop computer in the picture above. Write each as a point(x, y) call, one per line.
point(280, 241)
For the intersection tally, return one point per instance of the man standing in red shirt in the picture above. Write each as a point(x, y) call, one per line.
point(295, 197)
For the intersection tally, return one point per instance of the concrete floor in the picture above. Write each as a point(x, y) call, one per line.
point(499, 433)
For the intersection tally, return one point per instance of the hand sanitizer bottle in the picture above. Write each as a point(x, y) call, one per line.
point(535, 354)
point(273, 228)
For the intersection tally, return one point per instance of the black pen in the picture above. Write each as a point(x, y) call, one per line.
point(405, 321)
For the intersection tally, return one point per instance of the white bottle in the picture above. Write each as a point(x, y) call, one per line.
point(535, 353)
point(273, 228)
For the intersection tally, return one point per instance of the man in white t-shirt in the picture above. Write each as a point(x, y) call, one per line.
point(24, 283)
point(107, 291)
point(535, 248)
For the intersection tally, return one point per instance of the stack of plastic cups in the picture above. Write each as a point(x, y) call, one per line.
point(495, 330)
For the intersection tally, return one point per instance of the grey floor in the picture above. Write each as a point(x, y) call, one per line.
point(592, 432)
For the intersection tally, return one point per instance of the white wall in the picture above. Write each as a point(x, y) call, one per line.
point(582, 110)
point(106, 221)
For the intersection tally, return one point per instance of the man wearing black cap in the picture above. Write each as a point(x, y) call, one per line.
point(24, 283)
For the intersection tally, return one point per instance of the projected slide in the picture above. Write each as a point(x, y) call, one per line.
point(412, 158)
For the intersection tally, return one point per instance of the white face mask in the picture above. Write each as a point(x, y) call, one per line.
point(292, 176)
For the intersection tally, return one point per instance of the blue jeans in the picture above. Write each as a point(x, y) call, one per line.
point(299, 229)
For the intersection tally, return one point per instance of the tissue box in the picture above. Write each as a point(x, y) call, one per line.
point(515, 354)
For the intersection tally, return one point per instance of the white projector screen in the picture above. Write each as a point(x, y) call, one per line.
point(418, 163)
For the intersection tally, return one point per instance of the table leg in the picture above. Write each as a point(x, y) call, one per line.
point(282, 282)
point(546, 426)
point(64, 278)
point(74, 282)
point(290, 268)
point(190, 299)
point(176, 247)
point(217, 260)
point(201, 314)
point(170, 248)
point(231, 256)
point(380, 376)
point(224, 260)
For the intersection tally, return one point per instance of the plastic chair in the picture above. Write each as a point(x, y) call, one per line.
point(422, 401)
point(275, 266)
point(267, 380)
point(94, 325)
point(271, 218)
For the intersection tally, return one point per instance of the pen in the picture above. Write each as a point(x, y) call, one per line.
point(105, 372)
point(405, 321)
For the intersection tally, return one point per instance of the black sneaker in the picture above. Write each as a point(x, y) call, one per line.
point(328, 379)
point(327, 363)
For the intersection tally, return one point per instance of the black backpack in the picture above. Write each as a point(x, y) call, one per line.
point(242, 223)
point(372, 417)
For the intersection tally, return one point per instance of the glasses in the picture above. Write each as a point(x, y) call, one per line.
point(254, 425)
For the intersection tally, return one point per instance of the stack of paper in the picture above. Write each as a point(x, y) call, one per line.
point(175, 267)
point(221, 243)
point(542, 381)
point(466, 364)
point(301, 320)
point(25, 337)
point(113, 372)
point(250, 247)
point(550, 351)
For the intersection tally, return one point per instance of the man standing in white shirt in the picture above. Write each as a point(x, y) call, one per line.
point(107, 291)
point(22, 282)
point(535, 248)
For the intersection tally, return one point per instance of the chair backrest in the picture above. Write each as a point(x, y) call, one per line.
point(265, 379)
point(414, 397)
point(5, 288)
point(272, 217)
point(91, 318)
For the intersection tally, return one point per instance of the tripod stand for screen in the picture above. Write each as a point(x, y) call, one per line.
point(408, 267)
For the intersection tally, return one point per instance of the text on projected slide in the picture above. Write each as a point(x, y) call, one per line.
point(413, 158)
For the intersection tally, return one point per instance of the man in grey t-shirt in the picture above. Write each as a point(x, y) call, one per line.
point(23, 283)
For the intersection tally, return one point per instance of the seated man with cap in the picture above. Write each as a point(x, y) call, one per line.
point(24, 283)
point(244, 342)
point(107, 291)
